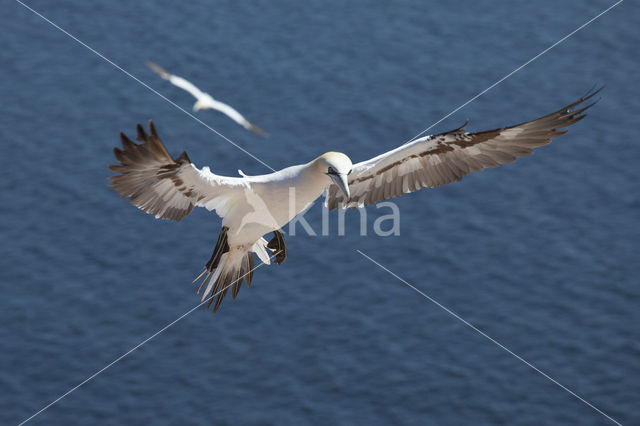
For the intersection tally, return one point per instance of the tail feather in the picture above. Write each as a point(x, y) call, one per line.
point(214, 279)
point(252, 267)
point(237, 282)
point(248, 263)
point(234, 267)
point(226, 280)
point(229, 266)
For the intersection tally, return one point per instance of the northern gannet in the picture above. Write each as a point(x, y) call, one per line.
point(253, 206)
point(205, 100)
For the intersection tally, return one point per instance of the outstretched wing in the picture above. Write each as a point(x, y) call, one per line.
point(186, 85)
point(437, 160)
point(206, 100)
point(233, 114)
point(166, 187)
point(176, 81)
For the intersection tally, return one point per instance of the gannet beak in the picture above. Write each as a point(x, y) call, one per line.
point(342, 182)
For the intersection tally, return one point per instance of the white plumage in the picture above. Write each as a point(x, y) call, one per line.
point(205, 100)
point(253, 206)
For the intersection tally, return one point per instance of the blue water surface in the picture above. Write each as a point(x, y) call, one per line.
point(543, 254)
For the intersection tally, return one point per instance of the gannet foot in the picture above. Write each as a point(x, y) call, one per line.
point(278, 246)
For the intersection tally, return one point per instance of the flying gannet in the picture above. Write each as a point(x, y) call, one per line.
point(205, 100)
point(253, 206)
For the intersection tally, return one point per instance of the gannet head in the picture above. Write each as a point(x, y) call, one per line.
point(198, 106)
point(335, 166)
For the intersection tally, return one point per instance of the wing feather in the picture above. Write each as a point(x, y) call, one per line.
point(186, 85)
point(176, 81)
point(166, 187)
point(437, 160)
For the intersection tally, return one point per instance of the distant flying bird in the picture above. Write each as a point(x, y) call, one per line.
point(253, 206)
point(205, 100)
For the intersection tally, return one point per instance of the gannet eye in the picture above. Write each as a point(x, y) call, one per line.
point(332, 171)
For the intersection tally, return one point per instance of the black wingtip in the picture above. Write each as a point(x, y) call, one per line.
point(570, 109)
point(589, 95)
point(124, 139)
point(152, 129)
point(586, 107)
point(592, 92)
point(142, 135)
point(127, 144)
point(183, 158)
